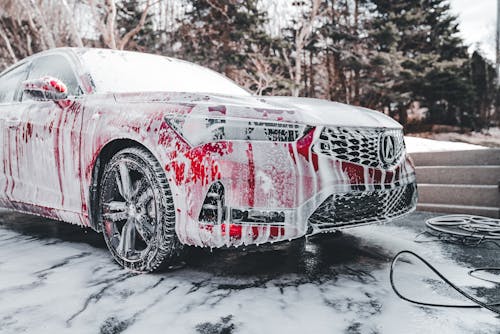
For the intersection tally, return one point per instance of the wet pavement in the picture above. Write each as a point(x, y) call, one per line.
point(58, 278)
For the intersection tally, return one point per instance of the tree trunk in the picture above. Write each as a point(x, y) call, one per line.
point(301, 38)
point(312, 88)
point(330, 82)
point(7, 44)
point(74, 31)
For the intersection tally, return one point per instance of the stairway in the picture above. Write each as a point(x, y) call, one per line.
point(465, 182)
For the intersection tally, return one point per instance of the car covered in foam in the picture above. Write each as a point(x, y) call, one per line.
point(158, 153)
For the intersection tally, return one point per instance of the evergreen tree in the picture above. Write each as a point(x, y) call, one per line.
point(483, 78)
point(419, 39)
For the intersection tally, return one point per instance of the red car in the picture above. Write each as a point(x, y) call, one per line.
point(157, 152)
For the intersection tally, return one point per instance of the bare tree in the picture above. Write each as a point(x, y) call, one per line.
point(303, 33)
point(260, 76)
point(25, 24)
point(104, 14)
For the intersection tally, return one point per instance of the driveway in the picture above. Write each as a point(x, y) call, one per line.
point(58, 278)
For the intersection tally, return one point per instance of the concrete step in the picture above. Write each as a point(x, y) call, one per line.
point(480, 175)
point(487, 157)
point(472, 195)
point(493, 212)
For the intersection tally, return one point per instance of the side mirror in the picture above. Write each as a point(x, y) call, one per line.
point(45, 89)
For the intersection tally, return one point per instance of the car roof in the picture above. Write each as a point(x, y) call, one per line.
point(79, 51)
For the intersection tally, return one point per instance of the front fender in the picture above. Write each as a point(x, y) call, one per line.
point(107, 122)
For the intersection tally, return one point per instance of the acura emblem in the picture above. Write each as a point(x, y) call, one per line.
point(387, 149)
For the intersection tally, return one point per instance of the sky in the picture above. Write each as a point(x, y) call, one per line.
point(477, 23)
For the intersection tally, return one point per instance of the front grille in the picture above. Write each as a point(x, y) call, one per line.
point(358, 145)
point(364, 206)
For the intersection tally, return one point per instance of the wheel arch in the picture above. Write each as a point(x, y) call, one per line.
point(105, 155)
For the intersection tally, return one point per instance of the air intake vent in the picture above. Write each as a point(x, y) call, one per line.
point(364, 206)
point(213, 209)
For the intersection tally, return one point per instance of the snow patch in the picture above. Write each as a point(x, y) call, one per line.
point(415, 144)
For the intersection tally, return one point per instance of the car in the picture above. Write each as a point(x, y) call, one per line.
point(157, 153)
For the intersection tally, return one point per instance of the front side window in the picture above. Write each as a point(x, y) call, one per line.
point(56, 66)
point(10, 83)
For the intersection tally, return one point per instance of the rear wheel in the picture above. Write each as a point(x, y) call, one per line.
point(136, 211)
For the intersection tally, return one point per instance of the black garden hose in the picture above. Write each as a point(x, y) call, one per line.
point(476, 303)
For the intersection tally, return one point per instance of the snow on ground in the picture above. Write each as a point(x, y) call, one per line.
point(58, 278)
point(455, 141)
point(416, 144)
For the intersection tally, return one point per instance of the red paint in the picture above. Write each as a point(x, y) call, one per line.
point(51, 126)
point(57, 154)
point(167, 137)
point(58, 85)
point(251, 176)
point(76, 133)
point(389, 177)
point(179, 170)
point(135, 128)
point(5, 163)
point(108, 226)
point(304, 147)
point(355, 172)
point(202, 165)
point(235, 231)
point(218, 109)
point(164, 137)
point(29, 131)
point(64, 103)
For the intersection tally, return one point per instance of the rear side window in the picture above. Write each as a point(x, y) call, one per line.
point(56, 66)
point(10, 82)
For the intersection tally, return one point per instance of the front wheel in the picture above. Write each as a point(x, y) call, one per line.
point(136, 211)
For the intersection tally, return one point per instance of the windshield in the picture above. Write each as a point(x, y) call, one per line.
point(122, 72)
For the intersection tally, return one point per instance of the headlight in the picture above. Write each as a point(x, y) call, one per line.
point(199, 130)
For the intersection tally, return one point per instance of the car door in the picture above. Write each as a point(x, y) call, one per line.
point(47, 158)
point(10, 113)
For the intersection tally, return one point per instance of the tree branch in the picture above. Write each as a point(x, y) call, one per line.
point(217, 8)
point(110, 23)
point(98, 21)
point(47, 34)
point(7, 43)
point(129, 35)
point(76, 35)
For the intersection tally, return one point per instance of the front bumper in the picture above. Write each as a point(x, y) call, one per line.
point(284, 190)
point(344, 210)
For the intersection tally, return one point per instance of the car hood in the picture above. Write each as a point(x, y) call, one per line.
point(286, 109)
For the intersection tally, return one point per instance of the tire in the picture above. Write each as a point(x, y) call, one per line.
point(136, 212)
